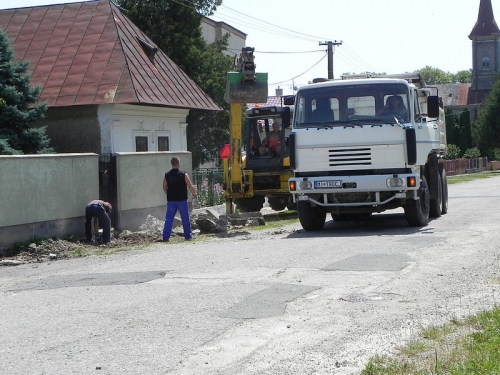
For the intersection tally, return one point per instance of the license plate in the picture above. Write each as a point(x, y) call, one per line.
point(327, 184)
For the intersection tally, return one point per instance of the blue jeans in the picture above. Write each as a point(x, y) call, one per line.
point(172, 208)
point(104, 222)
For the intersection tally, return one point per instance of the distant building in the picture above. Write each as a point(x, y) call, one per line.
point(485, 38)
point(213, 30)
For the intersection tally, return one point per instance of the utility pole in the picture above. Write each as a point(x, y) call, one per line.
point(330, 45)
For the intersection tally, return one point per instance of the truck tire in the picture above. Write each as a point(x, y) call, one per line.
point(311, 218)
point(417, 211)
point(278, 203)
point(253, 204)
point(436, 205)
point(444, 203)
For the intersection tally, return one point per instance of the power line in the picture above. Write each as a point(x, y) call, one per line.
point(315, 37)
point(277, 83)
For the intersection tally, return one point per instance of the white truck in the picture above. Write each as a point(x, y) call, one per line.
point(352, 155)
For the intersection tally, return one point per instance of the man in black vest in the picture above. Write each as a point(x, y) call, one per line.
point(175, 185)
point(99, 210)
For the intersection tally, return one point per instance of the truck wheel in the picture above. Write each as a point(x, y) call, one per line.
point(253, 204)
point(417, 211)
point(278, 203)
point(311, 218)
point(444, 203)
point(436, 204)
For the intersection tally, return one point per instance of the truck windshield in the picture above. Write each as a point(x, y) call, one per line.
point(355, 104)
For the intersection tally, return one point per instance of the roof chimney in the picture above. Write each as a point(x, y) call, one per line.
point(279, 92)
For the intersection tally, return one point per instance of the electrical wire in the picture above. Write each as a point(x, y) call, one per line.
point(301, 74)
point(346, 54)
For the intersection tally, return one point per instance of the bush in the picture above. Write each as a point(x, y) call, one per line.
point(472, 153)
point(495, 154)
point(453, 152)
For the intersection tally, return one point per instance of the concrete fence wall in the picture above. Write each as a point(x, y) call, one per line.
point(45, 195)
point(139, 181)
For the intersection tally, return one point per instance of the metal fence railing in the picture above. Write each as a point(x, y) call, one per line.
point(209, 185)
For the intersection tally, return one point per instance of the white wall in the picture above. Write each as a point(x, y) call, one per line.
point(120, 124)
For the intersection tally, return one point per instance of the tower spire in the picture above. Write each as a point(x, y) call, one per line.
point(485, 25)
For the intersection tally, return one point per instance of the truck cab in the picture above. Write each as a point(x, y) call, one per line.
point(365, 145)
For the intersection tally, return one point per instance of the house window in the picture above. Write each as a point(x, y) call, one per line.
point(162, 139)
point(141, 143)
point(163, 143)
point(486, 63)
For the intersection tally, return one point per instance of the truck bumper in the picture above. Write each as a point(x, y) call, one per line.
point(353, 191)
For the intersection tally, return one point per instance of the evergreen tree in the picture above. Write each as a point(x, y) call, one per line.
point(19, 110)
point(465, 137)
point(487, 126)
point(450, 125)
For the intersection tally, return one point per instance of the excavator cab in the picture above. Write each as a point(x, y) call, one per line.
point(259, 124)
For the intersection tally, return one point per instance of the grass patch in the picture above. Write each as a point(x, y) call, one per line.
point(457, 348)
point(471, 177)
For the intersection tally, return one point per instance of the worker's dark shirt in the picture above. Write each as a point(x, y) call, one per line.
point(97, 202)
point(176, 186)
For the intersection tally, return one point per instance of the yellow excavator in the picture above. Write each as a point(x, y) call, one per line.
point(251, 175)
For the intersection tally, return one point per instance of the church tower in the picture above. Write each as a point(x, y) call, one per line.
point(485, 38)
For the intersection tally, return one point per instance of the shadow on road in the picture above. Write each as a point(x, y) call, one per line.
point(384, 224)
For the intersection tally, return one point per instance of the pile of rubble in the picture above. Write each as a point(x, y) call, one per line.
point(207, 221)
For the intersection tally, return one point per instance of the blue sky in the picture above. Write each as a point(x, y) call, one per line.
point(392, 36)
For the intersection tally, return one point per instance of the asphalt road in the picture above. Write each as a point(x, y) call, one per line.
point(268, 302)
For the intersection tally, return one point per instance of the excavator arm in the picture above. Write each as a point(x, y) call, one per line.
point(243, 86)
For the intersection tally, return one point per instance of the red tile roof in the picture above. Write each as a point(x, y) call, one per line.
point(90, 53)
point(271, 101)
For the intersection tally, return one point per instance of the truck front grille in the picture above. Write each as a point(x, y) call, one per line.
point(350, 156)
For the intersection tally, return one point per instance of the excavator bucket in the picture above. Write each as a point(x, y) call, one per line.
point(241, 90)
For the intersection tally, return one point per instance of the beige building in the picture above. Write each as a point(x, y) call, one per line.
point(213, 30)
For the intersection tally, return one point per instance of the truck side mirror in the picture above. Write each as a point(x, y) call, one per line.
point(285, 117)
point(289, 100)
point(433, 106)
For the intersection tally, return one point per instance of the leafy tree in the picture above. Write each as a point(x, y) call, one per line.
point(435, 76)
point(463, 76)
point(207, 131)
point(18, 108)
point(487, 127)
point(465, 140)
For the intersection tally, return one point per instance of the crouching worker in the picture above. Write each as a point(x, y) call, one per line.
point(99, 211)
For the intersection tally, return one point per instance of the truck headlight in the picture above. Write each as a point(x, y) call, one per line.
point(396, 182)
point(305, 185)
